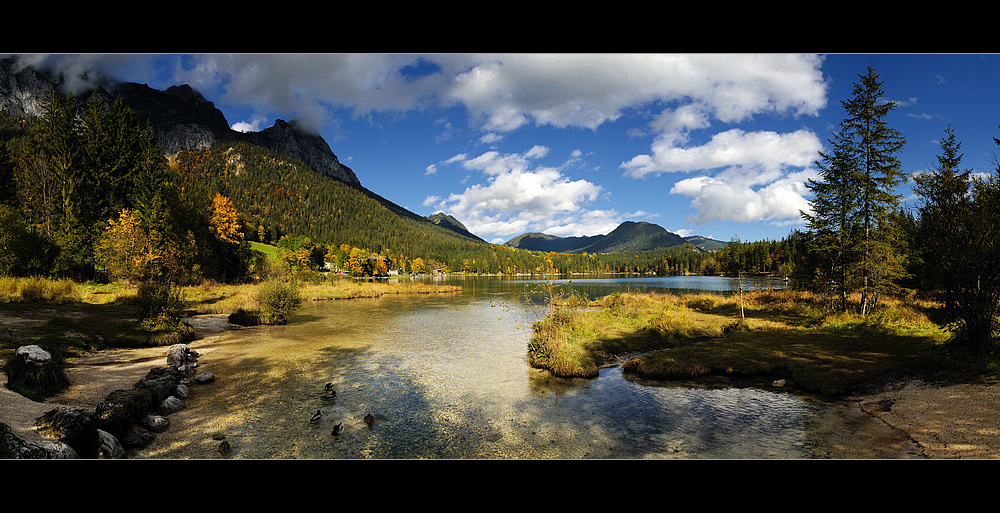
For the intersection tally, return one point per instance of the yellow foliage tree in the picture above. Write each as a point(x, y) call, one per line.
point(126, 251)
point(225, 222)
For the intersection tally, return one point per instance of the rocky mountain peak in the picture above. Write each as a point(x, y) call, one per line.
point(181, 117)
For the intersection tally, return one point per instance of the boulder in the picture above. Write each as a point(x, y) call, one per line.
point(72, 425)
point(33, 355)
point(171, 405)
point(122, 409)
point(107, 447)
point(161, 383)
point(204, 377)
point(137, 436)
point(156, 423)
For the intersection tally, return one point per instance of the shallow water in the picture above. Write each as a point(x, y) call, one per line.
point(446, 377)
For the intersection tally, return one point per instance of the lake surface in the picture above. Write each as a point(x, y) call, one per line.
point(446, 377)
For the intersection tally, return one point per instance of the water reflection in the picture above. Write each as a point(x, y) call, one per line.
point(446, 377)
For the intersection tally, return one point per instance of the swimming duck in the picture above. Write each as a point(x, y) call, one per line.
point(329, 397)
point(225, 448)
point(316, 417)
point(329, 388)
point(369, 419)
point(338, 429)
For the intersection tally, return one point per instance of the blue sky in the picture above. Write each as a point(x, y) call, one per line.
point(718, 145)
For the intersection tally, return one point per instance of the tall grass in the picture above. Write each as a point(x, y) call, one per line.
point(37, 289)
point(749, 335)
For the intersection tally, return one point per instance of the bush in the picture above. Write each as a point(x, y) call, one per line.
point(276, 300)
point(159, 301)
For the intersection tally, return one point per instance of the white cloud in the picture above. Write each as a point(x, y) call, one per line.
point(519, 195)
point(768, 150)
point(747, 196)
point(250, 126)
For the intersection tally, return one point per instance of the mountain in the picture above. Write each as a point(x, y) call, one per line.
point(628, 236)
point(180, 116)
point(706, 244)
point(447, 221)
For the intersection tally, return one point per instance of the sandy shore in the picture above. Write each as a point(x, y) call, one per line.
point(911, 421)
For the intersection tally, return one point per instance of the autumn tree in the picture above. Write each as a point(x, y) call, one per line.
point(225, 221)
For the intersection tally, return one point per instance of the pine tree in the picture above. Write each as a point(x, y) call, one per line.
point(944, 192)
point(856, 207)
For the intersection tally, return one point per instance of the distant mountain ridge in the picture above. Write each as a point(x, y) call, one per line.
point(628, 236)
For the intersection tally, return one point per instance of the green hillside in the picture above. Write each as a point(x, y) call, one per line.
point(279, 196)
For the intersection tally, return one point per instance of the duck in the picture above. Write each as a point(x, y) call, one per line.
point(329, 388)
point(338, 429)
point(316, 417)
point(225, 448)
point(329, 397)
point(369, 419)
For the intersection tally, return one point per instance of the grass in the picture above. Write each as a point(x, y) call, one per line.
point(785, 334)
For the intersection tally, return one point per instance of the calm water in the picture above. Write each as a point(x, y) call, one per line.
point(446, 377)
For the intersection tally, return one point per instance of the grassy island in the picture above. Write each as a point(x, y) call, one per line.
point(765, 336)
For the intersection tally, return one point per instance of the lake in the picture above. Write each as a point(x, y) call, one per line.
point(446, 377)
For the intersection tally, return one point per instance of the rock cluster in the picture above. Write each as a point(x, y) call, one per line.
point(127, 418)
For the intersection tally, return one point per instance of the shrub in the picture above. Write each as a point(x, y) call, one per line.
point(159, 301)
point(277, 299)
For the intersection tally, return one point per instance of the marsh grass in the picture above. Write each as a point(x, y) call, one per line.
point(776, 334)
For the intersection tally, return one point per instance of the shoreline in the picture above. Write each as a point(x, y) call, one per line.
point(911, 420)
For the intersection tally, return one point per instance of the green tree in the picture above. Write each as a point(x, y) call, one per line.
point(856, 206)
point(944, 197)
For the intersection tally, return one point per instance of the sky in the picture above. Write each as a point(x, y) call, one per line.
point(718, 145)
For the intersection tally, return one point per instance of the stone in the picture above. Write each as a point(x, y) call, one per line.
point(159, 383)
point(204, 377)
point(70, 424)
point(33, 355)
point(138, 436)
point(171, 405)
point(156, 423)
point(122, 409)
point(107, 447)
point(182, 391)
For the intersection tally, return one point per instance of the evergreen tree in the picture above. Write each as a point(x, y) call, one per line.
point(855, 209)
point(944, 192)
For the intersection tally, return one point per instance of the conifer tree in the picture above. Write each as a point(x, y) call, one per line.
point(856, 207)
point(944, 192)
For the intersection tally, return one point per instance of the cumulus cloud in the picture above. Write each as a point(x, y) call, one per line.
point(747, 196)
point(521, 195)
point(682, 94)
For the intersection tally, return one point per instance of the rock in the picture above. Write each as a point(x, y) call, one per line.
point(55, 450)
point(171, 405)
point(778, 383)
point(161, 382)
point(182, 391)
point(138, 436)
point(204, 377)
point(70, 424)
point(107, 447)
point(33, 355)
point(156, 423)
point(178, 355)
point(122, 409)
